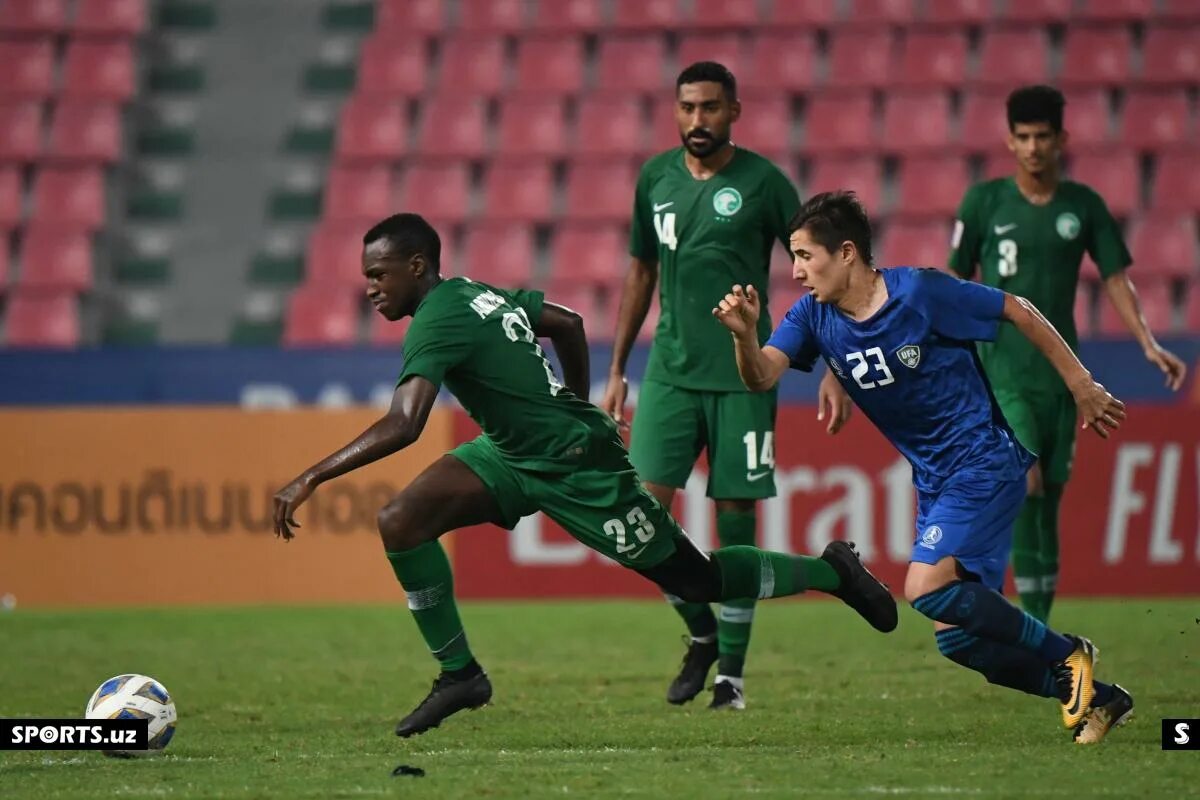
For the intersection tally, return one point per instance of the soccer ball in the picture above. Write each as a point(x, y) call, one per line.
point(135, 697)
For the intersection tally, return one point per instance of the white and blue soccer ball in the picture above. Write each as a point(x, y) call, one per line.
point(134, 696)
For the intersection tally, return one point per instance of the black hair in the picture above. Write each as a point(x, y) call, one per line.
point(709, 71)
point(1032, 104)
point(408, 234)
point(832, 218)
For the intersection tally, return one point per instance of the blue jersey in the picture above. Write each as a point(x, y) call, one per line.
point(912, 368)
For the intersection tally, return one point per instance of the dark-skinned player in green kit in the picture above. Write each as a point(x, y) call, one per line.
point(704, 215)
point(1027, 234)
point(543, 448)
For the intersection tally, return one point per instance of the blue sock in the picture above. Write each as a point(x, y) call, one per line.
point(1001, 664)
point(1104, 693)
point(986, 614)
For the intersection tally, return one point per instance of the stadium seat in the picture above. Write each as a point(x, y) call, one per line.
point(862, 175)
point(519, 191)
point(472, 65)
point(599, 318)
point(71, 196)
point(85, 130)
point(10, 204)
point(548, 65)
point(99, 69)
point(501, 254)
point(1171, 56)
point(595, 254)
point(1115, 10)
point(372, 130)
point(839, 122)
point(532, 125)
point(390, 65)
point(610, 125)
point(410, 17)
point(1000, 164)
point(931, 186)
point(33, 16)
point(1083, 314)
point(569, 16)
point(881, 12)
point(361, 194)
point(110, 17)
point(645, 334)
point(492, 16)
point(781, 62)
point(4, 259)
point(916, 244)
point(334, 255)
point(439, 192)
point(860, 58)
point(933, 58)
point(916, 121)
point(724, 48)
point(382, 331)
point(1011, 57)
point(1037, 11)
point(1096, 57)
point(661, 15)
point(766, 123)
point(984, 126)
point(1177, 182)
point(56, 257)
point(1187, 10)
point(42, 319)
point(807, 14)
point(1165, 246)
point(1114, 175)
point(28, 69)
point(631, 64)
point(320, 315)
point(1153, 119)
point(664, 129)
point(1191, 308)
point(453, 126)
point(20, 131)
point(957, 12)
point(724, 14)
point(601, 191)
point(1155, 297)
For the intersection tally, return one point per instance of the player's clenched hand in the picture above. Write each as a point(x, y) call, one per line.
point(739, 309)
point(287, 500)
point(834, 403)
point(613, 403)
point(1099, 410)
point(1170, 364)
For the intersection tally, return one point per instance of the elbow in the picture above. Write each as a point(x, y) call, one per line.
point(758, 384)
point(400, 431)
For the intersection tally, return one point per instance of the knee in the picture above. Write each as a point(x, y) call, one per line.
point(398, 526)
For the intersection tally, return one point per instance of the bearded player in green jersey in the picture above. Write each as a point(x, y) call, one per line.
point(543, 448)
point(705, 214)
point(1027, 235)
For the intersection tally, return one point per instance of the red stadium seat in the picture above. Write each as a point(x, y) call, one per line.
point(72, 196)
point(1087, 119)
point(1037, 11)
point(56, 258)
point(802, 14)
point(409, 17)
point(724, 14)
point(84, 130)
point(473, 65)
point(382, 331)
point(1177, 182)
point(664, 130)
point(110, 17)
point(1151, 120)
point(1179, 10)
point(599, 318)
point(881, 12)
point(933, 58)
point(632, 64)
point(595, 254)
point(492, 16)
point(1011, 57)
point(532, 125)
point(916, 244)
point(999, 165)
point(766, 123)
point(372, 130)
point(1165, 246)
point(99, 69)
point(395, 66)
point(957, 12)
point(984, 122)
point(500, 254)
point(839, 122)
point(781, 62)
point(1096, 57)
point(784, 293)
point(1114, 175)
point(20, 131)
point(10, 204)
point(724, 48)
point(659, 15)
point(931, 186)
point(33, 16)
point(519, 191)
point(334, 255)
point(42, 319)
point(916, 121)
point(1083, 313)
point(609, 125)
point(550, 65)
point(28, 69)
point(862, 175)
point(1171, 56)
point(1155, 297)
point(437, 191)
point(860, 58)
point(601, 191)
point(321, 315)
point(453, 126)
point(650, 324)
point(1191, 308)
point(360, 194)
point(1115, 10)
point(569, 16)
point(4, 258)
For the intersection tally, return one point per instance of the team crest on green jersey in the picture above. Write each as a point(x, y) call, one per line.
point(1067, 225)
point(727, 201)
point(909, 355)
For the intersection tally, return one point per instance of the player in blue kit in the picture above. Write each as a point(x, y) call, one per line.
point(901, 341)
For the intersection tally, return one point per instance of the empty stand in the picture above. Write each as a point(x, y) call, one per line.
point(454, 126)
point(322, 316)
point(42, 319)
point(500, 254)
point(72, 197)
point(360, 194)
point(56, 258)
point(373, 130)
point(437, 191)
point(393, 66)
point(532, 125)
point(595, 254)
point(1114, 175)
point(550, 65)
point(601, 191)
point(521, 191)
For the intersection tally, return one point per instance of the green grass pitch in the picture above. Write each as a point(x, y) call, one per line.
point(300, 703)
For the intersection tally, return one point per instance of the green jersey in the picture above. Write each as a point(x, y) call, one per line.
point(1034, 252)
point(707, 235)
point(479, 341)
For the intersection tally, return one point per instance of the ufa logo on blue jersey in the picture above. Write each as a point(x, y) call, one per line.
point(909, 355)
point(727, 202)
point(931, 536)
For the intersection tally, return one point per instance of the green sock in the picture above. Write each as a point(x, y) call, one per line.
point(424, 572)
point(734, 617)
point(1049, 546)
point(698, 617)
point(750, 572)
point(1026, 555)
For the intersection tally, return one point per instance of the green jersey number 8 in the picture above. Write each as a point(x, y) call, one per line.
point(1008, 258)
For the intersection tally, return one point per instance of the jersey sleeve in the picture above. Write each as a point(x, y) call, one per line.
point(795, 338)
point(435, 344)
point(785, 202)
point(958, 309)
point(643, 241)
point(967, 240)
point(530, 300)
point(1105, 244)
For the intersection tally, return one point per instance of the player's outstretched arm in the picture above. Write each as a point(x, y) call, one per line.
point(1100, 410)
point(400, 427)
point(759, 367)
point(564, 328)
point(1124, 298)
point(636, 296)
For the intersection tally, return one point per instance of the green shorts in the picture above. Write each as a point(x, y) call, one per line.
point(601, 503)
point(672, 425)
point(1045, 424)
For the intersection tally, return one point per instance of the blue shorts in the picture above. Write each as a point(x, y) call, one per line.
point(971, 519)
